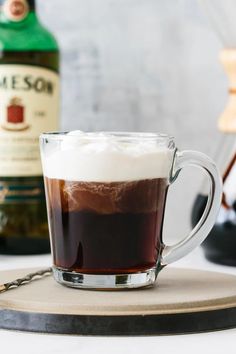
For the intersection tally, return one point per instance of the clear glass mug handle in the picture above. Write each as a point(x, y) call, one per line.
point(201, 230)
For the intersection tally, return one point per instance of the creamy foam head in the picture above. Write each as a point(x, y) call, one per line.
point(102, 157)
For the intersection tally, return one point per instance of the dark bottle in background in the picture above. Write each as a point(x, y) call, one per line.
point(29, 102)
point(220, 245)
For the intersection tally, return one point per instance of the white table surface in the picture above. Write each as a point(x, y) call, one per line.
point(22, 342)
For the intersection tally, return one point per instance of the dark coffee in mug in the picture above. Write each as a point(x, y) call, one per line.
point(106, 195)
point(106, 227)
point(105, 219)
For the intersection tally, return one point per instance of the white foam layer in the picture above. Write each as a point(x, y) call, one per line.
point(106, 159)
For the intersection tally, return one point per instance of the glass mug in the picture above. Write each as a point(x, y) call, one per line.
point(106, 195)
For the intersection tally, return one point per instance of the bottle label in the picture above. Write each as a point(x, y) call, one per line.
point(16, 10)
point(29, 100)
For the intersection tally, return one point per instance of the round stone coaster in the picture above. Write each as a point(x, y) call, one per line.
point(182, 301)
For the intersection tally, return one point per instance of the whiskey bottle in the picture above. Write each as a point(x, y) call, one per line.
point(29, 100)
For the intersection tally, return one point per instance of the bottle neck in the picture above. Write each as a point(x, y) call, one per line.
point(17, 12)
point(31, 4)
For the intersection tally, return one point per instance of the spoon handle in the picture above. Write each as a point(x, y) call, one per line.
point(27, 279)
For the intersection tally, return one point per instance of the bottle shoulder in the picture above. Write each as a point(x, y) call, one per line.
point(29, 37)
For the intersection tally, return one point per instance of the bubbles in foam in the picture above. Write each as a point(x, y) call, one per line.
point(103, 157)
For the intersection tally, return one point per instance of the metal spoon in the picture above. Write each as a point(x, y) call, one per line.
point(27, 279)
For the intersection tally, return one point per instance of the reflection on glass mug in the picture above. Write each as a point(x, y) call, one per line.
point(106, 195)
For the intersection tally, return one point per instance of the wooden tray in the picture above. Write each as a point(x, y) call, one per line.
point(183, 301)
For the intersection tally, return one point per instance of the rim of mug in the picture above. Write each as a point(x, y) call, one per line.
point(118, 135)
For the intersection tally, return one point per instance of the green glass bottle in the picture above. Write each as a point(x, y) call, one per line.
point(29, 100)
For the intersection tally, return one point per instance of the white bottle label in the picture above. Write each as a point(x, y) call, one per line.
point(29, 103)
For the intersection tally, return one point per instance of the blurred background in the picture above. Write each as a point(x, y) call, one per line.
point(142, 65)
